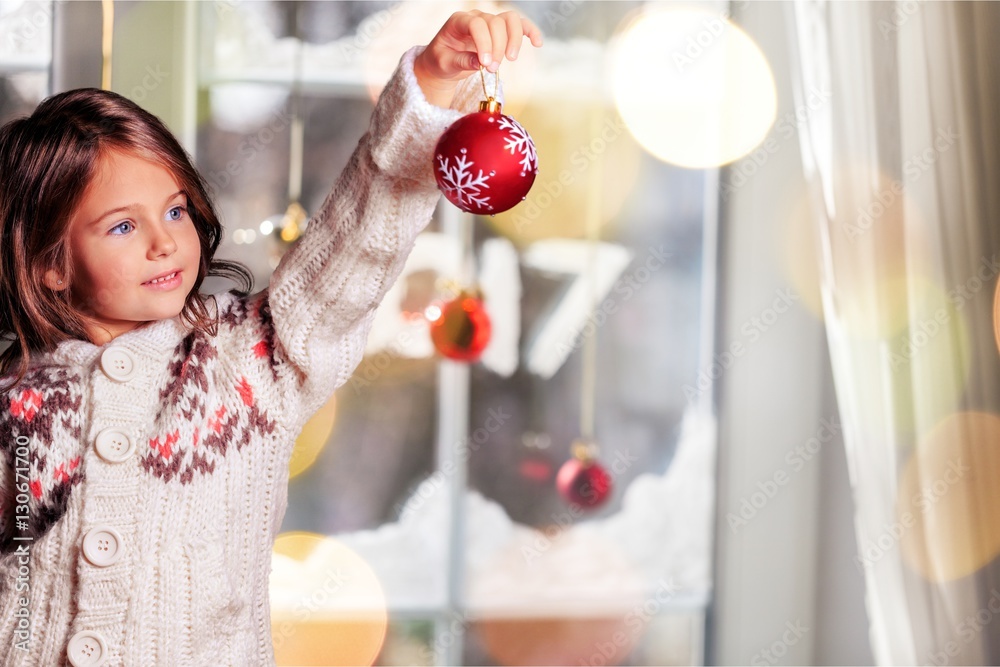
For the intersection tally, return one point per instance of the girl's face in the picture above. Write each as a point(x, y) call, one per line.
point(131, 227)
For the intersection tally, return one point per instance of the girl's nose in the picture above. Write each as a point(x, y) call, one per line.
point(162, 243)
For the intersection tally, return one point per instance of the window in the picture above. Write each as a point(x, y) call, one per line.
point(434, 482)
point(25, 55)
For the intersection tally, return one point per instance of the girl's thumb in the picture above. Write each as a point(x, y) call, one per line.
point(460, 62)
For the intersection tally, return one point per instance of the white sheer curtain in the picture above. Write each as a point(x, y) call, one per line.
point(904, 169)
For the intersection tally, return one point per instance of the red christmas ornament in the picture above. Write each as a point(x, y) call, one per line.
point(485, 162)
point(582, 480)
point(461, 328)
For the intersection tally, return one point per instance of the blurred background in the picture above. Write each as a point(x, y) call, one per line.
point(736, 402)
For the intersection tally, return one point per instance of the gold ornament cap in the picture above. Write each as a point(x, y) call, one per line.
point(490, 105)
point(584, 450)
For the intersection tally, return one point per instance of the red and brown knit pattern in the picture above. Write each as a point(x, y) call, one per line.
point(45, 408)
point(199, 419)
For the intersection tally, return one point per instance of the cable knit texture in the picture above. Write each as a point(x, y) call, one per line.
point(142, 482)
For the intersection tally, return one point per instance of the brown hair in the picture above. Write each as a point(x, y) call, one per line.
point(47, 161)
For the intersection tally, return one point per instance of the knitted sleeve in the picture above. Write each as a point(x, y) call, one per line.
point(324, 292)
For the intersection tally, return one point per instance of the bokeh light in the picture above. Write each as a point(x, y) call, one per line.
point(877, 243)
point(996, 315)
point(327, 605)
point(949, 502)
point(693, 88)
point(573, 157)
point(313, 438)
point(910, 380)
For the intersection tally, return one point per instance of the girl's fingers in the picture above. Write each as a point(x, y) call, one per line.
point(515, 32)
point(479, 30)
point(459, 61)
point(498, 36)
point(532, 32)
point(492, 37)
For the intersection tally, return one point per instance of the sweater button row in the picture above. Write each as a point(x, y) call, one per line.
point(87, 649)
point(119, 364)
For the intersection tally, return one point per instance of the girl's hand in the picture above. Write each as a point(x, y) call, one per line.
point(466, 41)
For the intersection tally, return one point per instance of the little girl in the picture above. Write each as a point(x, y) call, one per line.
point(145, 429)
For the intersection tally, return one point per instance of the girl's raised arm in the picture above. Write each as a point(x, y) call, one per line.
point(324, 293)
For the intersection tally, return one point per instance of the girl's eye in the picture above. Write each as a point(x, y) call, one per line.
point(119, 226)
point(176, 213)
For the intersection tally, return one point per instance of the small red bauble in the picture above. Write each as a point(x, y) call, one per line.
point(582, 480)
point(485, 162)
point(461, 331)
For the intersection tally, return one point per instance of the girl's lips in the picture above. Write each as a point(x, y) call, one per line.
point(169, 284)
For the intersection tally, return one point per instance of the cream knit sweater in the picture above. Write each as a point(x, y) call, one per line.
point(142, 483)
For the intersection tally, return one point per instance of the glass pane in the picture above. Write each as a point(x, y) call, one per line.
point(25, 55)
point(544, 576)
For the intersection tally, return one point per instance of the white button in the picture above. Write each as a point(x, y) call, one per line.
point(119, 364)
point(114, 446)
point(103, 546)
point(87, 649)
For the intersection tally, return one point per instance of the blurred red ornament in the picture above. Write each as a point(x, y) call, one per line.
point(461, 328)
point(582, 480)
point(485, 162)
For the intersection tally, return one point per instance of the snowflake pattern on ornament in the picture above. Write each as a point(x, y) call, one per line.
point(518, 140)
point(460, 182)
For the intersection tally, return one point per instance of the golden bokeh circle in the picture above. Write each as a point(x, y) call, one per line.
point(313, 438)
point(692, 87)
point(572, 160)
point(948, 505)
point(327, 604)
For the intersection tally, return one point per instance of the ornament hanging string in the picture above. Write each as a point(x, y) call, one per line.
point(107, 41)
point(588, 384)
point(295, 214)
point(496, 82)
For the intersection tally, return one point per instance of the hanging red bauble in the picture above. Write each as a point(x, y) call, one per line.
point(485, 162)
point(460, 329)
point(582, 480)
